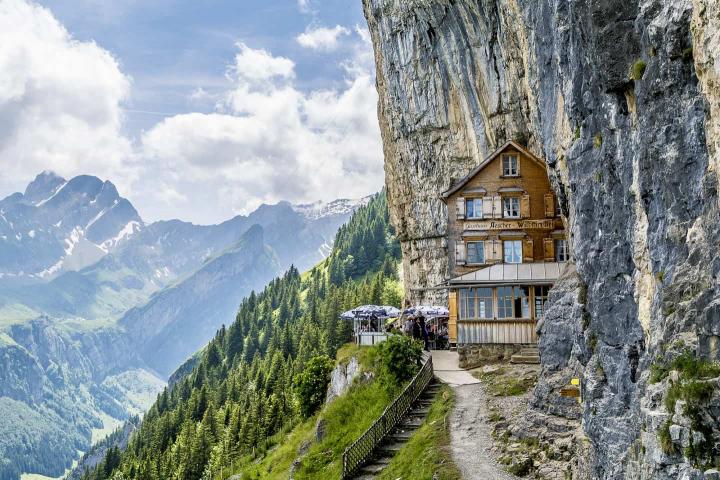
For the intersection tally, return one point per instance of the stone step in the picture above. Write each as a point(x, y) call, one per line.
point(418, 412)
point(392, 447)
point(403, 436)
point(376, 466)
point(411, 422)
point(402, 433)
point(525, 359)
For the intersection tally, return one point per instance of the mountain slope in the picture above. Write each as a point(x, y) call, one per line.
point(180, 319)
point(239, 392)
point(73, 361)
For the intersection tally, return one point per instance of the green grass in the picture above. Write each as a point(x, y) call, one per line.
point(666, 443)
point(345, 420)
point(689, 366)
point(506, 384)
point(427, 454)
point(278, 460)
point(693, 388)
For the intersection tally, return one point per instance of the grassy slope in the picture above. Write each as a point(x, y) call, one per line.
point(427, 455)
point(346, 419)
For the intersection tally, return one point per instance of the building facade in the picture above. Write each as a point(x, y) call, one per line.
point(507, 246)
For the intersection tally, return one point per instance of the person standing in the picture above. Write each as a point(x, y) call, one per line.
point(416, 331)
point(409, 326)
point(424, 333)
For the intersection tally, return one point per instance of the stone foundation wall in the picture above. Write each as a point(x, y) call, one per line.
point(475, 355)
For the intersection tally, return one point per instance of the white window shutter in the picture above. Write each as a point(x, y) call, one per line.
point(459, 253)
point(497, 250)
point(460, 207)
point(497, 207)
point(489, 248)
point(487, 207)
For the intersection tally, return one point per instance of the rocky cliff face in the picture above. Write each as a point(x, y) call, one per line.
point(622, 99)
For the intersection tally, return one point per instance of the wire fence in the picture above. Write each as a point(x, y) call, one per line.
point(357, 454)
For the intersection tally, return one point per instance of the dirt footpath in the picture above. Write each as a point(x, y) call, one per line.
point(470, 439)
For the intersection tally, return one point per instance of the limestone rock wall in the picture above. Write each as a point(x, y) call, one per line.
point(452, 82)
point(621, 97)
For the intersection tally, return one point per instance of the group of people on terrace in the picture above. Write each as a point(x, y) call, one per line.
point(422, 323)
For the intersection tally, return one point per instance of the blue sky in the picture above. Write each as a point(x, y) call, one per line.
point(197, 110)
point(170, 48)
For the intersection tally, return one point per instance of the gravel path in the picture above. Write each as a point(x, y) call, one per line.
point(470, 439)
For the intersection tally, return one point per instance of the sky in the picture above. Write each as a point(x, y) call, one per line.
point(198, 110)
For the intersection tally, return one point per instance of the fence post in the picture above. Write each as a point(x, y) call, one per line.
point(359, 452)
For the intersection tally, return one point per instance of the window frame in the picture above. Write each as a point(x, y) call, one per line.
point(514, 243)
point(562, 255)
point(540, 294)
point(510, 198)
point(475, 201)
point(467, 252)
point(515, 302)
point(508, 157)
point(471, 298)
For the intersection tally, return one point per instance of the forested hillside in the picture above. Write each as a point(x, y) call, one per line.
point(240, 392)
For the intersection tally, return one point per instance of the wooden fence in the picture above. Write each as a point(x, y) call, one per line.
point(357, 454)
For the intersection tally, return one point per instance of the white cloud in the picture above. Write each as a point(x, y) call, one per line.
point(257, 65)
point(272, 142)
point(59, 100)
point(61, 109)
point(322, 38)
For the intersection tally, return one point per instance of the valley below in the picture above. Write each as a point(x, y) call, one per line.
point(106, 307)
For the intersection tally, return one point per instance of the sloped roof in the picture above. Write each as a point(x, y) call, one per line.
point(486, 162)
point(514, 273)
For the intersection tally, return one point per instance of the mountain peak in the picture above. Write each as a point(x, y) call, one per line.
point(45, 184)
point(320, 209)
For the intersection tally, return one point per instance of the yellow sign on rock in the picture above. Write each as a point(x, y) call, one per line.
point(548, 224)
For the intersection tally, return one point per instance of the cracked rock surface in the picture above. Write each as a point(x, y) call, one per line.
point(622, 99)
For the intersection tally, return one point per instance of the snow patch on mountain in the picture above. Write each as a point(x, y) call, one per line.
point(320, 209)
point(54, 194)
point(126, 232)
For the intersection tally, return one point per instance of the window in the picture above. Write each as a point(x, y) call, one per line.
point(558, 210)
point(511, 207)
point(541, 294)
point(474, 208)
point(561, 251)
point(512, 250)
point(510, 166)
point(513, 302)
point(475, 252)
point(476, 303)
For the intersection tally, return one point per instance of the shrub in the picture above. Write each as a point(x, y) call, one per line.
point(400, 357)
point(666, 443)
point(638, 70)
point(673, 394)
point(598, 140)
point(311, 384)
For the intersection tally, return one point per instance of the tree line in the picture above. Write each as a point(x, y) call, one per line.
point(242, 390)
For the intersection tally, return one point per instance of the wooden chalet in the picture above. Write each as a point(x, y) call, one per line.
point(506, 247)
